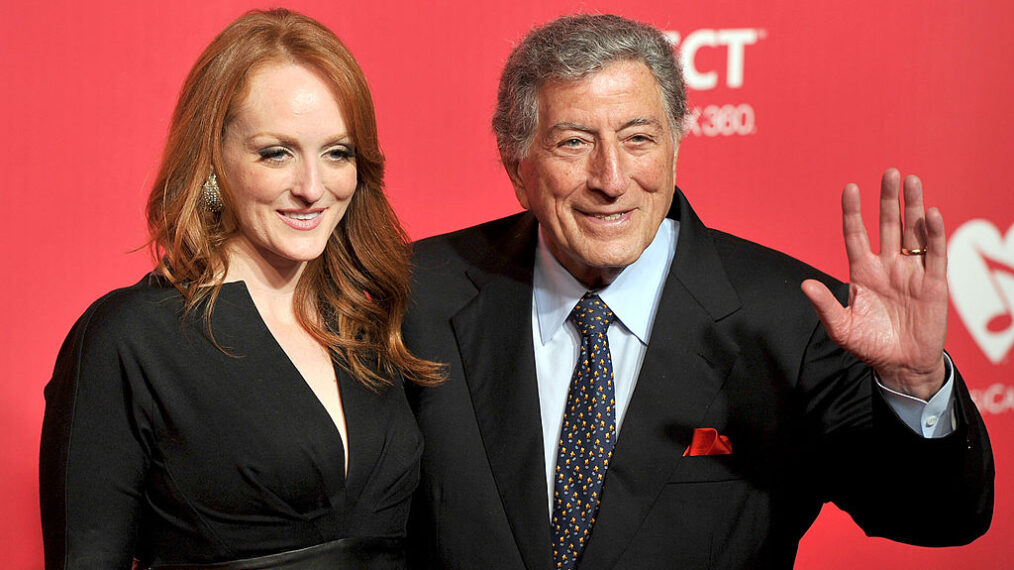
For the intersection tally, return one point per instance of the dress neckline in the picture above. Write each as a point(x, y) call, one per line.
point(238, 293)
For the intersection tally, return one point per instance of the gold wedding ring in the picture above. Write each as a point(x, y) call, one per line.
point(906, 251)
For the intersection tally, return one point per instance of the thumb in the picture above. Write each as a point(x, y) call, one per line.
point(829, 310)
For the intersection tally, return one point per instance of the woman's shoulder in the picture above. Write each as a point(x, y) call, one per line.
point(149, 301)
point(111, 325)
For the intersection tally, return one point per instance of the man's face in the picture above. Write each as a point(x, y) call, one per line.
point(601, 170)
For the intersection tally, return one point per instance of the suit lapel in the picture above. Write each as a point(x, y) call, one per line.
point(687, 361)
point(494, 336)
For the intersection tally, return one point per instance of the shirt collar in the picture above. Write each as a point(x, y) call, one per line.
point(633, 296)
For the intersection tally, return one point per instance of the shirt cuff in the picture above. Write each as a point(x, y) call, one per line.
point(931, 419)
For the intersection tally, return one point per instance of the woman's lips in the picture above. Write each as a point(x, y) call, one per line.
point(303, 220)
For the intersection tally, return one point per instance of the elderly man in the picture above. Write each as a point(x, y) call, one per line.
point(628, 388)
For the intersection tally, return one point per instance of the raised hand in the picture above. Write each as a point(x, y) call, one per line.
point(896, 319)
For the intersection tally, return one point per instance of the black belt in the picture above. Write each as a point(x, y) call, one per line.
point(346, 553)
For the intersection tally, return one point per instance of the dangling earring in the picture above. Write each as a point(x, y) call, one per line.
point(211, 196)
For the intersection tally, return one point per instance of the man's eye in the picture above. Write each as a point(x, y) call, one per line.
point(572, 142)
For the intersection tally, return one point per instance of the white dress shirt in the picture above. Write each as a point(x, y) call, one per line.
point(634, 298)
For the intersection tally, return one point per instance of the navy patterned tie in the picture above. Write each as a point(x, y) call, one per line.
point(587, 435)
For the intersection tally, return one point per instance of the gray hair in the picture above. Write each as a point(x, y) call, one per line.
point(570, 48)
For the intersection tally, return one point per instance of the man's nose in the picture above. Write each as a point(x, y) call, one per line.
point(308, 183)
point(606, 171)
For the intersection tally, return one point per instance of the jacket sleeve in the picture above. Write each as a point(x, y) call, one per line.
point(892, 481)
point(92, 460)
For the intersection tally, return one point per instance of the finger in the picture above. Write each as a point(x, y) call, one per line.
point(857, 242)
point(936, 244)
point(890, 213)
point(914, 236)
point(829, 310)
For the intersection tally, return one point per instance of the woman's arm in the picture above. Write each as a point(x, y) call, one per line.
point(92, 460)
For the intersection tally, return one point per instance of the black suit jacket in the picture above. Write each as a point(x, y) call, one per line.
point(735, 346)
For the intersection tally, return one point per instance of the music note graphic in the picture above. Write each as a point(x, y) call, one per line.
point(1002, 321)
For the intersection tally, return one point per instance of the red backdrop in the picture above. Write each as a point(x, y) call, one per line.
point(794, 101)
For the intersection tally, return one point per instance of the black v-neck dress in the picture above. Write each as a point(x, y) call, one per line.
point(159, 446)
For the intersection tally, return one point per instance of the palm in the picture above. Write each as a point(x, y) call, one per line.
point(896, 320)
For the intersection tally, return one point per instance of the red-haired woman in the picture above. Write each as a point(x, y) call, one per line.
point(242, 405)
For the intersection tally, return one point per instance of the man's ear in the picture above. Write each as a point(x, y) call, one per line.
point(676, 156)
point(513, 168)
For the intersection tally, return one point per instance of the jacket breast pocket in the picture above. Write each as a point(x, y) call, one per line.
point(704, 469)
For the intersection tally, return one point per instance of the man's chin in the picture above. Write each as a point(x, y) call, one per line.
point(597, 271)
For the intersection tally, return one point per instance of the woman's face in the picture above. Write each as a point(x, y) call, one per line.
point(291, 167)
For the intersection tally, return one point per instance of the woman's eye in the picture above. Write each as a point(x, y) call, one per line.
point(340, 154)
point(273, 154)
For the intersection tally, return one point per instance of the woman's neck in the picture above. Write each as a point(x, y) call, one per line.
point(271, 283)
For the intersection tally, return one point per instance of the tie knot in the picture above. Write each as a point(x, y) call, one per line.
point(591, 315)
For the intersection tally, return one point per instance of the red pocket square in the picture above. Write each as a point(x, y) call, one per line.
point(707, 442)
